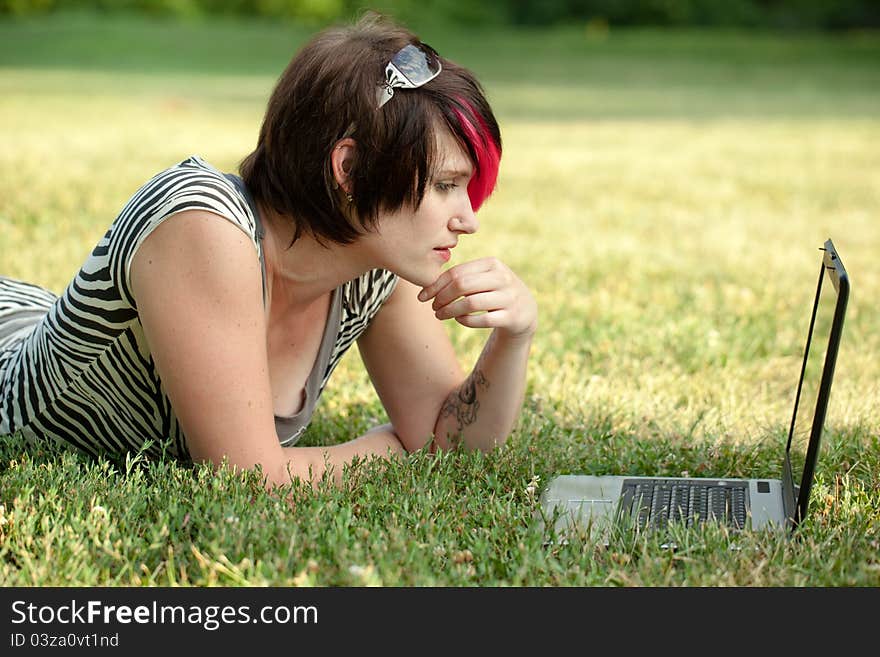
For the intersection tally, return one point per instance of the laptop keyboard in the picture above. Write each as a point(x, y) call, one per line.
point(653, 503)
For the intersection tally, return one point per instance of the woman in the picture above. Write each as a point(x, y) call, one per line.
point(209, 317)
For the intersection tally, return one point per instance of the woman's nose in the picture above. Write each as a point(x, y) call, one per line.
point(465, 221)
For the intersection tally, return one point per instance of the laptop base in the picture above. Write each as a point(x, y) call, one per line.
point(592, 505)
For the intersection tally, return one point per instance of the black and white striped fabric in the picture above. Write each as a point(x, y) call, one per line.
point(77, 368)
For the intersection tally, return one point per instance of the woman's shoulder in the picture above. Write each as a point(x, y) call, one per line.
point(192, 175)
point(196, 163)
point(191, 184)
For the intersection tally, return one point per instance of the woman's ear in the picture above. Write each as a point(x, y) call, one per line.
point(342, 161)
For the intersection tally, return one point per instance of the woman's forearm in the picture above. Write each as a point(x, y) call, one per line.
point(481, 413)
point(311, 463)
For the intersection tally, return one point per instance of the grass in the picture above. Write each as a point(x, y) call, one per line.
point(663, 193)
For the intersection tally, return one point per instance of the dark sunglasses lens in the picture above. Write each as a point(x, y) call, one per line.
point(418, 64)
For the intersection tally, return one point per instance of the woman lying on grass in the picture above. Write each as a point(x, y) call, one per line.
point(208, 319)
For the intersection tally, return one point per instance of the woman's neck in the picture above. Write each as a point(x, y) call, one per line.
point(307, 270)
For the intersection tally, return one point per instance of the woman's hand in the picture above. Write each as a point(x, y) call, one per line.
point(484, 293)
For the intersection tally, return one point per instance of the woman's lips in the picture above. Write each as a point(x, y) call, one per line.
point(444, 252)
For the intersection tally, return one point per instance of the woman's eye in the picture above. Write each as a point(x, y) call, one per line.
point(444, 186)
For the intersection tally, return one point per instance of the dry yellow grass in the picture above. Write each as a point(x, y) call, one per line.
point(673, 260)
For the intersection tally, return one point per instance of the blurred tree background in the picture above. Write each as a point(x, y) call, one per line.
point(767, 14)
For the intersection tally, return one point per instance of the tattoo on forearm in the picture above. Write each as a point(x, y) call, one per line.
point(463, 403)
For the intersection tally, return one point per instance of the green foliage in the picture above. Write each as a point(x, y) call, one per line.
point(730, 13)
point(450, 520)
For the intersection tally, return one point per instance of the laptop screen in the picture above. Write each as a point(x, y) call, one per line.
point(820, 354)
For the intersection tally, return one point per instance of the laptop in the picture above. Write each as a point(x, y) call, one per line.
point(594, 505)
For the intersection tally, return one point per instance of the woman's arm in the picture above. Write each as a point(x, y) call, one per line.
point(414, 368)
point(198, 287)
point(310, 463)
point(485, 293)
point(483, 410)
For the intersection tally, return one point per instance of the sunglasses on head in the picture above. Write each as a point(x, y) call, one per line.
point(410, 68)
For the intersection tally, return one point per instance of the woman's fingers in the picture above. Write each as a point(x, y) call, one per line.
point(458, 280)
point(474, 303)
point(481, 294)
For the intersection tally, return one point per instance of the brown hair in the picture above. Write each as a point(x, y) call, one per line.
point(328, 92)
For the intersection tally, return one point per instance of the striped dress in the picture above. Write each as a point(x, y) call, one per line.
point(77, 368)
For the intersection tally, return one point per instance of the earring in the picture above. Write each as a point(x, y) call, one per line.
point(349, 197)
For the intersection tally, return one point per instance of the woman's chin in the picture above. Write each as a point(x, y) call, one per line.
point(422, 277)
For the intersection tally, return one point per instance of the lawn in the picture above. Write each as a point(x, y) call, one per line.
point(663, 193)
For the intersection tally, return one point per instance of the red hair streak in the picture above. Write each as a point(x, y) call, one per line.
point(488, 155)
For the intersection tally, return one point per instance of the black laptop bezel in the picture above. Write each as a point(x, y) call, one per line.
point(831, 269)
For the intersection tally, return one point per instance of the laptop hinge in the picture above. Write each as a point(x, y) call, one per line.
point(789, 493)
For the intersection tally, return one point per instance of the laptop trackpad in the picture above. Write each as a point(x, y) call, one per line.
point(581, 502)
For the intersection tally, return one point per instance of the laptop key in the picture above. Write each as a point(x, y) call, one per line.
point(738, 507)
point(660, 505)
point(700, 500)
point(678, 503)
point(641, 506)
point(717, 503)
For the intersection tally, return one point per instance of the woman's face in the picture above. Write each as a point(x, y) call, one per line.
point(416, 244)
